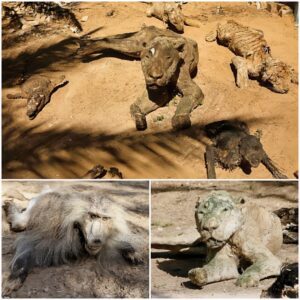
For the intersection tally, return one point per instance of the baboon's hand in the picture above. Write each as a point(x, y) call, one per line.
point(133, 258)
point(10, 285)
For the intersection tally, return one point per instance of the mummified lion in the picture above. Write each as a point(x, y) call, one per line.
point(253, 57)
point(236, 235)
point(63, 226)
point(168, 62)
point(38, 90)
point(172, 16)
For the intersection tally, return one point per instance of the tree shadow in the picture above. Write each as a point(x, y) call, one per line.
point(179, 267)
point(41, 152)
point(56, 57)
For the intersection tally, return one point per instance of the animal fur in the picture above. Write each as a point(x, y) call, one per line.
point(286, 285)
point(233, 146)
point(63, 226)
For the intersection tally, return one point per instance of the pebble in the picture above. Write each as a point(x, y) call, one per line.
point(84, 18)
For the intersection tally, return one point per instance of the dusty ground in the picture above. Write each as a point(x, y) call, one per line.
point(172, 216)
point(82, 279)
point(87, 122)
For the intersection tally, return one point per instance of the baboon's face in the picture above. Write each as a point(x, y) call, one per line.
point(160, 62)
point(97, 228)
point(228, 150)
point(217, 219)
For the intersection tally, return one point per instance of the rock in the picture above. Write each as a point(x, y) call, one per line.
point(84, 18)
point(110, 13)
point(285, 11)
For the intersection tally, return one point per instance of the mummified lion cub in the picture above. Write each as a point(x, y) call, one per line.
point(63, 226)
point(235, 235)
point(253, 57)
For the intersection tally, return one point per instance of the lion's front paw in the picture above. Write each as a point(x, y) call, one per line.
point(198, 276)
point(248, 280)
point(140, 121)
point(181, 122)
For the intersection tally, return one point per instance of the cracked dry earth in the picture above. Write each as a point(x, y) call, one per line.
point(172, 219)
point(82, 280)
point(88, 122)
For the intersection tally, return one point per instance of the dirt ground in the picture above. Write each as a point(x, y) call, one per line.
point(88, 122)
point(172, 218)
point(82, 279)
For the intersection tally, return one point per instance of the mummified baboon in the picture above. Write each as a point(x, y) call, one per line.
point(63, 226)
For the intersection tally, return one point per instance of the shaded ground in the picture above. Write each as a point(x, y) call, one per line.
point(83, 279)
point(173, 205)
point(87, 122)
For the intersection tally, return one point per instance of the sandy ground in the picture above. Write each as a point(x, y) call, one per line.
point(83, 279)
point(87, 122)
point(173, 218)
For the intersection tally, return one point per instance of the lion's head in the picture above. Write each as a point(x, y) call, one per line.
point(160, 61)
point(35, 104)
point(252, 151)
point(175, 16)
point(100, 225)
point(278, 76)
point(217, 219)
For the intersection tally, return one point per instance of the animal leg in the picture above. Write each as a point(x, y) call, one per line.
point(265, 264)
point(148, 102)
point(129, 253)
point(210, 162)
point(130, 44)
point(57, 82)
point(240, 65)
point(20, 267)
point(16, 96)
point(267, 162)
point(211, 36)
point(223, 266)
point(192, 97)
point(17, 218)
